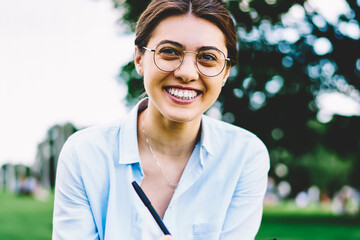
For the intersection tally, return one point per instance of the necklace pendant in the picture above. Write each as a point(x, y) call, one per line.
point(173, 185)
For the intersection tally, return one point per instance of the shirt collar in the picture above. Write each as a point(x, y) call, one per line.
point(128, 144)
point(206, 141)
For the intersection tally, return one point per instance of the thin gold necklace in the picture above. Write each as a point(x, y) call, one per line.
point(173, 185)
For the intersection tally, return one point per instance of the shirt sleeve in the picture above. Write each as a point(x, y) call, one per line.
point(72, 218)
point(245, 210)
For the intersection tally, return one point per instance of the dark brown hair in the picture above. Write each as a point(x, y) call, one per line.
point(211, 10)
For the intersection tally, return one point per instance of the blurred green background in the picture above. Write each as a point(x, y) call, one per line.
point(293, 57)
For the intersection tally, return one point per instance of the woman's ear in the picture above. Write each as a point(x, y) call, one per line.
point(138, 61)
point(227, 73)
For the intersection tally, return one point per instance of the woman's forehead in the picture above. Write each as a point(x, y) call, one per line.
point(189, 31)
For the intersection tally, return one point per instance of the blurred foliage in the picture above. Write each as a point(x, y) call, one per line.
point(272, 91)
point(321, 167)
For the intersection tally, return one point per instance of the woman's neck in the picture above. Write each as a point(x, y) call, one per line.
point(168, 137)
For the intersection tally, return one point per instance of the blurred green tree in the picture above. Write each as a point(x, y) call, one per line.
point(289, 53)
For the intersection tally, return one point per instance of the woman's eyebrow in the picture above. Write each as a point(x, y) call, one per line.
point(207, 48)
point(171, 42)
point(182, 46)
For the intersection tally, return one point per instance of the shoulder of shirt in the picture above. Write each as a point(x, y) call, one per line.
point(96, 133)
point(231, 132)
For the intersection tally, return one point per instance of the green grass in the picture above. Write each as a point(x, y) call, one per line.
point(288, 222)
point(26, 218)
point(23, 218)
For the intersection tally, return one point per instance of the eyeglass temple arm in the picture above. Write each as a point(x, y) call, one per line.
point(151, 50)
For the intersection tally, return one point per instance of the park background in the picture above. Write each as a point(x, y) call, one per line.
point(66, 65)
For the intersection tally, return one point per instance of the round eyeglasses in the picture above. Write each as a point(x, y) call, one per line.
point(169, 56)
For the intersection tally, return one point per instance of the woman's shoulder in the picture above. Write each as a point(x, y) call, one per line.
point(235, 144)
point(225, 135)
point(95, 134)
point(225, 129)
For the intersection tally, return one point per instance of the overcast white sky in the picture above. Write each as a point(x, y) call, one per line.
point(58, 63)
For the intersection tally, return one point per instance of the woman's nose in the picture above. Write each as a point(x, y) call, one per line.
point(187, 71)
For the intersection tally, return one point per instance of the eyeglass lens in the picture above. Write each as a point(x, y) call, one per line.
point(168, 57)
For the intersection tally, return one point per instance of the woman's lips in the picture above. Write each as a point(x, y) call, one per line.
point(182, 95)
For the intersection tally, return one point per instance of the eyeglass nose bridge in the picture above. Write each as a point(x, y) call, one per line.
point(196, 63)
point(196, 53)
point(182, 59)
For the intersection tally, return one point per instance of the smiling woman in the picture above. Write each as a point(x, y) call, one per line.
point(186, 74)
point(205, 178)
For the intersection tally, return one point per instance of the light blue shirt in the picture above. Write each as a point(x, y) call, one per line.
point(220, 193)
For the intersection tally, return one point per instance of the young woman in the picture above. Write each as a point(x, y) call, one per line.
point(205, 178)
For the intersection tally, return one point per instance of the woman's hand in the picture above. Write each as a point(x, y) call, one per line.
point(167, 237)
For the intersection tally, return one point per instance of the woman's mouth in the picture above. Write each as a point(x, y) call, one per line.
point(182, 93)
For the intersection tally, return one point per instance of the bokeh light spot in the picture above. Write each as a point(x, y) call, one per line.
point(322, 46)
point(281, 170)
point(287, 61)
point(238, 92)
point(257, 100)
point(274, 85)
point(277, 134)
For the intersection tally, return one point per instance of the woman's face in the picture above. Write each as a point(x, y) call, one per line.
point(165, 88)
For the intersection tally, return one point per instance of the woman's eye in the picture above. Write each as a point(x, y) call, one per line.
point(207, 57)
point(170, 51)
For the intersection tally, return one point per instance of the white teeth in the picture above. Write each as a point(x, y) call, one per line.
point(182, 93)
